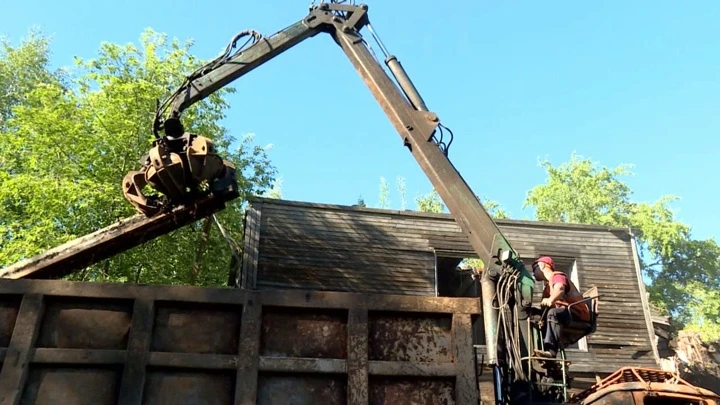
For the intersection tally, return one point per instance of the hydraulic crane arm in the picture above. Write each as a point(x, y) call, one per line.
point(178, 156)
point(403, 105)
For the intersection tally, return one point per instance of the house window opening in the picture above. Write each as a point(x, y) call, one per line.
point(458, 276)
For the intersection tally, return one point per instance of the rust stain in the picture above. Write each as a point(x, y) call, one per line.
point(50, 385)
point(301, 389)
point(290, 332)
point(418, 391)
point(422, 338)
point(85, 326)
point(184, 330)
point(9, 307)
point(175, 387)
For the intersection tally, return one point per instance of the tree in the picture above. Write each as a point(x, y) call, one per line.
point(22, 69)
point(384, 193)
point(66, 148)
point(685, 273)
point(276, 190)
point(430, 202)
point(401, 190)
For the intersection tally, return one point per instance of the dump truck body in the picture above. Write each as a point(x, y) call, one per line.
point(95, 343)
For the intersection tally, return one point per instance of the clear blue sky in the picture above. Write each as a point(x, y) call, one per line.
point(619, 82)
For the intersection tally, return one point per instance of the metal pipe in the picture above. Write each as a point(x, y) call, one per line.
point(377, 39)
point(497, 384)
point(398, 72)
point(488, 282)
point(405, 83)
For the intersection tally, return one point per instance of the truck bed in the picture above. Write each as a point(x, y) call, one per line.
point(90, 343)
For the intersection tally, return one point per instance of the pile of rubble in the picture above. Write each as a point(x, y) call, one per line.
point(695, 361)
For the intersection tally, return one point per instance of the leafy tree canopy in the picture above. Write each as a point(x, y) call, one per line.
point(66, 143)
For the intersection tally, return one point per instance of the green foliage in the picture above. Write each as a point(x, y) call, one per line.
point(22, 69)
point(579, 192)
point(401, 190)
point(66, 148)
point(703, 309)
point(430, 202)
point(685, 273)
point(275, 191)
point(384, 194)
point(494, 209)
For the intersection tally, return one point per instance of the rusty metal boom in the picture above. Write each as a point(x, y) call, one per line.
point(402, 103)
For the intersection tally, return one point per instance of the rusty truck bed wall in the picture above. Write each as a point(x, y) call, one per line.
point(309, 240)
point(91, 343)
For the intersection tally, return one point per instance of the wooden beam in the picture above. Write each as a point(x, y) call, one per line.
point(17, 359)
point(249, 350)
point(466, 391)
point(358, 355)
point(302, 365)
point(109, 241)
point(415, 369)
point(133, 379)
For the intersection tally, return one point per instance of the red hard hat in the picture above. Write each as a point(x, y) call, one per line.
point(547, 260)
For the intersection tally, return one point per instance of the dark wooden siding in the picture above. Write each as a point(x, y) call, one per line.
point(338, 251)
point(304, 245)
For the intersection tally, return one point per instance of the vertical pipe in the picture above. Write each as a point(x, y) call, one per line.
point(488, 283)
point(402, 78)
point(405, 83)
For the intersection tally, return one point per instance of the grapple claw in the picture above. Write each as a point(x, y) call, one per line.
point(133, 183)
point(182, 170)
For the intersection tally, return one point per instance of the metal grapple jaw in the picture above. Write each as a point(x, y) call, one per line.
point(181, 170)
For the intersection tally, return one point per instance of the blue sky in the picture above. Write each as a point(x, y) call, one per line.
point(619, 82)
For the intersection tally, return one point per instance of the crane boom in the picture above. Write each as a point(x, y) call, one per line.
point(402, 104)
point(417, 126)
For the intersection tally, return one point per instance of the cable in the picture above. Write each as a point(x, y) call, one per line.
point(221, 59)
point(508, 320)
point(234, 247)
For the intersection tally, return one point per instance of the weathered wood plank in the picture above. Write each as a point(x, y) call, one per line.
point(401, 368)
point(358, 355)
point(249, 243)
point(249, 350)
point(78, 356)
point(133, 378)
point(118, 290)
point(375, 302)
point(17, 358)
point(255, 246)
point(198, 361)
point(269, 285)
point(106, 242)
point(294, 206)
point(465, 389)
point(302, 365)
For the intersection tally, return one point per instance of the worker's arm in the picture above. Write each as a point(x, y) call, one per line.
point(557, 290)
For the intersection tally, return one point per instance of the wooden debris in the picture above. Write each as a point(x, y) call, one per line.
point(109, 241)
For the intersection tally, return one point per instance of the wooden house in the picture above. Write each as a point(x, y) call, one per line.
point(299, 245)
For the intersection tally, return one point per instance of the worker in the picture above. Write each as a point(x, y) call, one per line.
point(558, 293)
